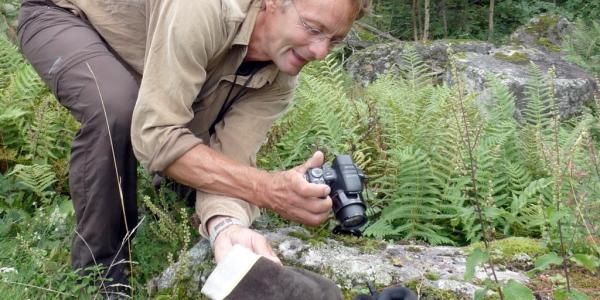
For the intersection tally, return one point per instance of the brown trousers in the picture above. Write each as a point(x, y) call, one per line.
point(100, 90)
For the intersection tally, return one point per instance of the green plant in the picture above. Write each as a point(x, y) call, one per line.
point(583, 45)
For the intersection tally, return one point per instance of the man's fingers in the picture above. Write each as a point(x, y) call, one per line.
point(316, 161)
point(307, 189)
point(310, 218)
point(221, 250)
point(317, 205)
point(260, 246)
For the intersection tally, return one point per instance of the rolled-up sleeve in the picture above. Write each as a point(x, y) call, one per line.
point(182, 37)
point(239, 136)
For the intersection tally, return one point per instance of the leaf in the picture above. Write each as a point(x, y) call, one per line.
point(517, 291)
point(562, 294)
point(554, 217)
point(545, 261)
point(480, 294)
point(577, 295)
point(589, 262)
point(476, 258)
point(66, 207)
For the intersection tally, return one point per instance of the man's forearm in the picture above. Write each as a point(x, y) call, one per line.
point(208, 170)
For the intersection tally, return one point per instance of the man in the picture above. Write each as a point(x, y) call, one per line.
point(199, 83)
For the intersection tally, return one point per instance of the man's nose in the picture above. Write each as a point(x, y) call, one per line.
point(320, 48)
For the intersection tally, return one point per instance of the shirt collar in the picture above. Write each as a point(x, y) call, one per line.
point(245, 31)
point(265, 75)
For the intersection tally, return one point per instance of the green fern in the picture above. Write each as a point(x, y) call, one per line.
point(38, 178)
point(320, 118)
point(583, 46)
point(414, 200)
point(419, 142)
point(46, 132)
point(10, 60)
point(26, 84)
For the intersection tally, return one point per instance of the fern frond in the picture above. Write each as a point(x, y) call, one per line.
point(46, 131)
point(10, 60)
point(414, 196)
point(26, 84)
point(38, 178)
point(537, 112)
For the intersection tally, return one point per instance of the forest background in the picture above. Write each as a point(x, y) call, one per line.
point(457, 176)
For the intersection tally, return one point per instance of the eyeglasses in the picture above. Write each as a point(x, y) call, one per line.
point(315, 34)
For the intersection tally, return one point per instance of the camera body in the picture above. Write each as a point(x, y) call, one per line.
point(346, 181)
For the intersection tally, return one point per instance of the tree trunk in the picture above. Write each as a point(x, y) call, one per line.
point(444, 18)
point(426, 22)
point(491, 22)
point(415, 16)
point(419, 21)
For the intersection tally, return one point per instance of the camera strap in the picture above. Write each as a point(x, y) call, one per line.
point(246, 69)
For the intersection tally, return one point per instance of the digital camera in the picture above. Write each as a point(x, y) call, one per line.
point(346, 181)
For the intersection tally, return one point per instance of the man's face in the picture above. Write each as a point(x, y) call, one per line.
point(301, 31)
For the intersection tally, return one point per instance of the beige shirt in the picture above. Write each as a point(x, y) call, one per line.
point(188, 52)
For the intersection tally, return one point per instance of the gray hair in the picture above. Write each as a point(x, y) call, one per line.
point(362, 5)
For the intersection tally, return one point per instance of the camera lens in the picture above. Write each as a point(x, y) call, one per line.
point(352, 215)
point(353, 221)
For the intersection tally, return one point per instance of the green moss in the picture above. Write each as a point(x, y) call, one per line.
point(365, 35)
point(315, 238)
point(414, 249)
point(432, 276)
point(299, 235)
point(181, 290)
point(431, 293)
point(515, 57)
point(584, 280)
point(513, 245)
point(364, 290)
point(457, 41)
point(548, 44)
point(364, 245)
point(542, 24)
point(461, 55)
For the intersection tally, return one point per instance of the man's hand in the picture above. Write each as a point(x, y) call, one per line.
point(289, 194)
point(286, 192)
point(236, 234)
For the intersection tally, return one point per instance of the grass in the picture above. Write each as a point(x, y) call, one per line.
point(40, 258)
point(34, 247)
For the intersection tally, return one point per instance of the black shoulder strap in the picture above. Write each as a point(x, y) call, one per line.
point(228, 102)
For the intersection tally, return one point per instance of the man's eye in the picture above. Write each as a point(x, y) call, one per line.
point(336, 41)
point(313, 30)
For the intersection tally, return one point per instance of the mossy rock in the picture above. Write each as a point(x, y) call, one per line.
point(550, 46)
point(545, 32)
point(363, 244)
point(541, 24)
point(432, 276)
point(426, 292)
point(515, 57)
point(511, 246)
point(460, 55)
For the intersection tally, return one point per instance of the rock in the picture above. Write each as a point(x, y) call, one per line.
point(537, 42)
point(544, 32)
point(196, 267)
point(522, 261)
point(573, 87)
point(367, 65)
point(476, 60)
point(456, 286)
point(351, 266)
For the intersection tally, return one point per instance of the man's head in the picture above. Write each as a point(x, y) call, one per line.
point(293, 32)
